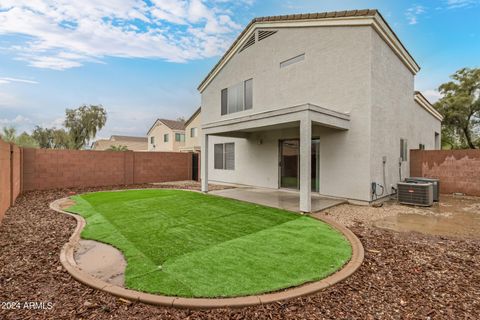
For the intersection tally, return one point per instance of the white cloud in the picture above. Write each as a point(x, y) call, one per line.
point(5, 80)
point(432, 95)
point(18, 120)
point(65, 34)
point(453, 4)
point(413, 13)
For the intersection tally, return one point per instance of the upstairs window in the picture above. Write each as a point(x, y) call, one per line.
point(237, 98)
point(165, 137)
point(193, 132)
point(179, 137)
point(293, 60)
point(421, 146)
point(152, 140)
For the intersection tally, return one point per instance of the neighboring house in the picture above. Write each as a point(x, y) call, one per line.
point(192, 132)
point(166, 135)
point(132, 143)
point(317, 102)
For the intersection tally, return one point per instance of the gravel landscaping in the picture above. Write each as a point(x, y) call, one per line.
point(404, 275)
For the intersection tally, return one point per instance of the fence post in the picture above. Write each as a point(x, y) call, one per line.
point(21, 170)
point(129, 159)
point(11, 174)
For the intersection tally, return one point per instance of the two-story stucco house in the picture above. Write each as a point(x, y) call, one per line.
point(192, 132)
point(166, 135)
point(322, 103)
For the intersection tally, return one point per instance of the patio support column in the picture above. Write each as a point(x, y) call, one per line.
point(204, 163)
point(305, 164)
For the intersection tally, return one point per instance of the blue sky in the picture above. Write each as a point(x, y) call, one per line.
point(143, 59)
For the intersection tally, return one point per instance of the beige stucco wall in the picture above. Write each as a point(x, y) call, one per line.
point(191, 143)
point(158, 131)
point(395, 115)
point(346, 69)
point(335, 75)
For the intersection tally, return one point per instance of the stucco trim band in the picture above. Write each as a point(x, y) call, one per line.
point(68, 261)
point(318, 114)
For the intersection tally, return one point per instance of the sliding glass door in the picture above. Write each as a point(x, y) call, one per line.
point(290, 164)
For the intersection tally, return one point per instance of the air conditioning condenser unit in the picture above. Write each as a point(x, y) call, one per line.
point(418, 194)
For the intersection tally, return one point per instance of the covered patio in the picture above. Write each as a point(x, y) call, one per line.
point(304, 118)
point(282, 199)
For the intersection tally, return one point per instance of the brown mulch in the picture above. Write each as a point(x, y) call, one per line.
point(404, 276)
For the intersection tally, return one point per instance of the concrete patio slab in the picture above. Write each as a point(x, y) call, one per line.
point(282, 199)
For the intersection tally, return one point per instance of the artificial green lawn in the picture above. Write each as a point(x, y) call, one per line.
point(189, 244)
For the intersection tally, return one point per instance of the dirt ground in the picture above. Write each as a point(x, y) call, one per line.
point(405, 275)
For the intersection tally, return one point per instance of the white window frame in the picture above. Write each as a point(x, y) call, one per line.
point(293, 60)
point(180, 135)
point(234, 98)
point(193, 132)
point(223, 163)
point(166, 137)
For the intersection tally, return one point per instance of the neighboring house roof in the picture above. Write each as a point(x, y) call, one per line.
point(425, 104)
point(379, 24)
point(193, 116)
point(132, 143)
point(128, 138)
point(172, 124)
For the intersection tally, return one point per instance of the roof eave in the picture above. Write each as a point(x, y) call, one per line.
point(425, 104)
point(377, 22)
point(193, 116)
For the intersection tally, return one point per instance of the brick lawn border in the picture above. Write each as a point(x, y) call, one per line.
point(68, 261)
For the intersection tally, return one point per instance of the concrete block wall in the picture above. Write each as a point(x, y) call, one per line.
point(162, 166)
point(458, 170)
point(52, 169)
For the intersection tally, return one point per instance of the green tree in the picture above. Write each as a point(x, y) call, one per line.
point(118, 148)
point(460, 106)
point(26, 141)
point(9, 135)
point(52, 138)
point(83, 123)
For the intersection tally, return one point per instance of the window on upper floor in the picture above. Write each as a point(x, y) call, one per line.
point(421, 146)
point(293, 60)
point(193, 132)
point(179, 137)
point(152, 140)
point(165, 137)
point(237, 98)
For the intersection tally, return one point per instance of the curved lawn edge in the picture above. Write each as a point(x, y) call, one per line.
point(68, 261)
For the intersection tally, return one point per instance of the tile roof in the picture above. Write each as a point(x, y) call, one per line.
point(132, 143)
point(173, 124)
point(128, 138)
point(304, 16)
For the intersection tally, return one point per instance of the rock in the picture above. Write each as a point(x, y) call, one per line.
point(128, 302)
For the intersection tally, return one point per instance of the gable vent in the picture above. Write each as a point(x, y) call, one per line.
point(262, 34)
point(249, 42)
